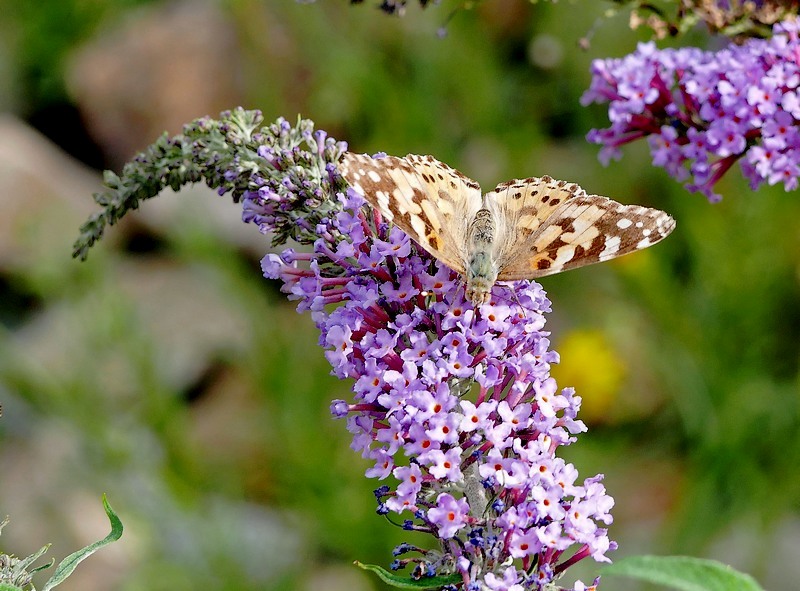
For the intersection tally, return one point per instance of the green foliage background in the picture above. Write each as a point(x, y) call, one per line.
point(236, 477)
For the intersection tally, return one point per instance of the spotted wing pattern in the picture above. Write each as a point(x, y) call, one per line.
point(539, 226)
point(430, 201)
point(548, 226)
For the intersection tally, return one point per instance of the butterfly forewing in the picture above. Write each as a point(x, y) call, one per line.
point(430, 201)
point(583, 230)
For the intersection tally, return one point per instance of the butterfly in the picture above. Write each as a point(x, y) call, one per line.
point(522, 229)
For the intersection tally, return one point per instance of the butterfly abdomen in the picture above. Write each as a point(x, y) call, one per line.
point(481, 269)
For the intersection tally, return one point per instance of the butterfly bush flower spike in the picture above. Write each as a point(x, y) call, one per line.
point(453, 403)
point(704, 111)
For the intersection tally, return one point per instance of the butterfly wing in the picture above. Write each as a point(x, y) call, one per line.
point(550, 226)
point(430, 201)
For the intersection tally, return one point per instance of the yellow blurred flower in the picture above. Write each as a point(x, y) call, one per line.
point(590, 364)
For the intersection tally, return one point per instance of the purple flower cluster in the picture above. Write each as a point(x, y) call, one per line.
point(289, 185)
point(703, 111)
point(455, 403)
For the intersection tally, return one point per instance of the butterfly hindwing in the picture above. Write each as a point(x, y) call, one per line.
point(430, 201)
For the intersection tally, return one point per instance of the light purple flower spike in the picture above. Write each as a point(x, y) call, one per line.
point(452, 405)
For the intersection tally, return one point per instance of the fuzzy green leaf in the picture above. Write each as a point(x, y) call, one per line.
point(68, 565)
point(24, 563)
point(407, 582)
point(684, 573)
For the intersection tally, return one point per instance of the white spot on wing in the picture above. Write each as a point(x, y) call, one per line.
point(382, 199)
point(611, 247)
point(564, 255)
point(418, 225)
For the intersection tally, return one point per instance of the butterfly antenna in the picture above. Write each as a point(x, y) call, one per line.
point(514, 299)
point(461, 284)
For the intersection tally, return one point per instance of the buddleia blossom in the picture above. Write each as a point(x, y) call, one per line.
point(233, 154)
point(703, 111)
point(452, 406)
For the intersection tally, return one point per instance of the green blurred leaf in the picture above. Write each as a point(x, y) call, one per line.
point(684, 573)
point(407, 582)
point(24, 563)
point(68, 565)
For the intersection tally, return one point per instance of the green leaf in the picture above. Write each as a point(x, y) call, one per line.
point(684, 573)
point(407, 582)
point(68, 565)
point(24, 563)
point(8, 587)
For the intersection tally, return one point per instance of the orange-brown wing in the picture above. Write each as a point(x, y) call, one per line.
point(548, 226)
point(430, 201)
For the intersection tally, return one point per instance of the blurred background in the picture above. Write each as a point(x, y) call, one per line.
point(167, 373)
